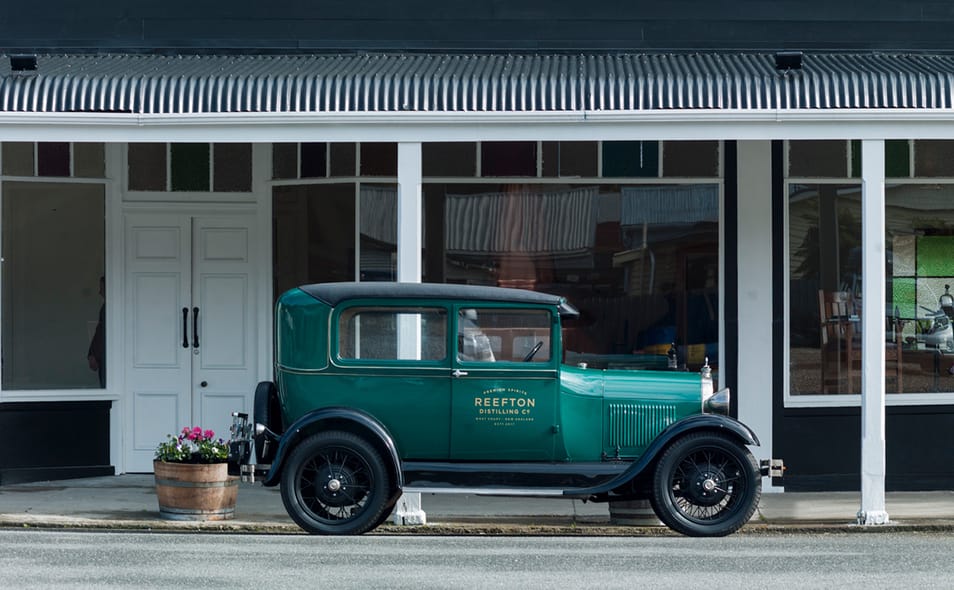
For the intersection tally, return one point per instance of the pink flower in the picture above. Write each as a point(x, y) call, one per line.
point(209, 434)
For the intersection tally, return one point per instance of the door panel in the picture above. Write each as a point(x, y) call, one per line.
point(222, 285)
point(191, 368)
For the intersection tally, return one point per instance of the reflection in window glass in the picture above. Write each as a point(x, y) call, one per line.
point(378, 219)
point(53, 252)
point(639, 262)
point(313, 237)
point(392, 334)
point(825, 261)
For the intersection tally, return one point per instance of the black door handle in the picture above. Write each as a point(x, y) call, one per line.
point(195, 327)
point(185, 327)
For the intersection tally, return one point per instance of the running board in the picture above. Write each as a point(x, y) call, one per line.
point(539, 492)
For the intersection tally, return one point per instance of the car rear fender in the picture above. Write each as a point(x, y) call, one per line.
point(337, 418)
point(695, 423)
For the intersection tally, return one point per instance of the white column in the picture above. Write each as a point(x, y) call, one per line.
point(755, 293)
point(410, 241)
point(409, 216)
point(873, 334)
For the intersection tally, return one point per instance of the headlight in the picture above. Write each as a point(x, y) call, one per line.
point(718, 403)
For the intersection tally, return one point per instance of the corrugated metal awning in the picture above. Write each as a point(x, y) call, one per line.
point(153, 84)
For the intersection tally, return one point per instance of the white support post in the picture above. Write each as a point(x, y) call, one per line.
point(873, 314)
point(755, 293)
point(409, 269)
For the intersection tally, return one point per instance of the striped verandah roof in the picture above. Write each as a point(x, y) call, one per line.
point(473, 83)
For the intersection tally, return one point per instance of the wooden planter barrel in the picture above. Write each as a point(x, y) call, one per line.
point(188, 491)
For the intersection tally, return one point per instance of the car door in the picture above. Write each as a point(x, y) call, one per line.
point(503, 383)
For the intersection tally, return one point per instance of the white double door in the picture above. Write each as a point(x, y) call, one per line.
point(190, 317)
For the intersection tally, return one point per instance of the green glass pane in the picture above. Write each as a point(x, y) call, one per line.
point(904, 298)
point(190, 166)
point(630, 159)
point(934, 256)
point(897, 158)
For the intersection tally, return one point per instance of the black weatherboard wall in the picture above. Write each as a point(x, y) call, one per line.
point(474, 25)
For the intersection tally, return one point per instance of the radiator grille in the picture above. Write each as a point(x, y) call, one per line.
point(636, 425)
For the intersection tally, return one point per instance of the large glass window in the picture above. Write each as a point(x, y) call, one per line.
point(639, 257)
point(53, 266)
point(639, 261)
point(826, 304)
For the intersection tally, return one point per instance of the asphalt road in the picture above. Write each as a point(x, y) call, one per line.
point(55, 559)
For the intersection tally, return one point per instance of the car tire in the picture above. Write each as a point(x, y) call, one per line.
point(706, 485)
point(335, 483)
point(267, 411)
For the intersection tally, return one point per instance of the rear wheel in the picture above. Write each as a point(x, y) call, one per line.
point(335, 483)
point(706, 485)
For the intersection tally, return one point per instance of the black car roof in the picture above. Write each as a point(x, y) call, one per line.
point(334, 293)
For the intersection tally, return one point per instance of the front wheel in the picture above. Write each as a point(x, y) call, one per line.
point(706, 485)
point(335, 483)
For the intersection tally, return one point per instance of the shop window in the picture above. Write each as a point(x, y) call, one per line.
point(314, 234)
point(147, 166)
point(377, 226)
point(687, 159)
point(897, 158)
point(818, 159)
point(449, 159)
point(233, 167)
point(825, 262)
point(379, 159)
point(89, 160)
point(192, 167)
point(570, 158)
point(344, 158)
point(284, 161)
point(508, 158)
point(934, 158)
point(17, 158)
point(640, 261)
point(314, 160)
point(54, 159)
point(53, 261)
point(630, 159)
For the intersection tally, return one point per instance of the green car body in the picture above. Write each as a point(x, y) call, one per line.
point(453, 387)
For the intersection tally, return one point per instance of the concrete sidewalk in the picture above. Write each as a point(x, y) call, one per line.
point(129, 502)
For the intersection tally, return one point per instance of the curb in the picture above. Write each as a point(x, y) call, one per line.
point(460, 528)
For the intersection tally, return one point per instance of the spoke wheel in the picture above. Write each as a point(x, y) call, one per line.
point(335, 484)
point(706, 485)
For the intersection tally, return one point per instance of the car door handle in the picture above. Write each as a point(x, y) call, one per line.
point(458, 373)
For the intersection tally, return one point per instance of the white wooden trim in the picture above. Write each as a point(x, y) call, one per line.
point(873, 447)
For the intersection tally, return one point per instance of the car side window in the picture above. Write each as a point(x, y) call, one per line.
point(399, 333)
point(513, 335)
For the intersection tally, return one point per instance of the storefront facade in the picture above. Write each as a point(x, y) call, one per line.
point(704, 199)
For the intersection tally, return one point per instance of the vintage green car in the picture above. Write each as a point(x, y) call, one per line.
point(383, 387)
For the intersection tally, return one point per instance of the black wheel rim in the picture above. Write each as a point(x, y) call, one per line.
point(707, 485)
point(335, 484)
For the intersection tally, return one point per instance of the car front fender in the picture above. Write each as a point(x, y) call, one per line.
point(694, 423)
